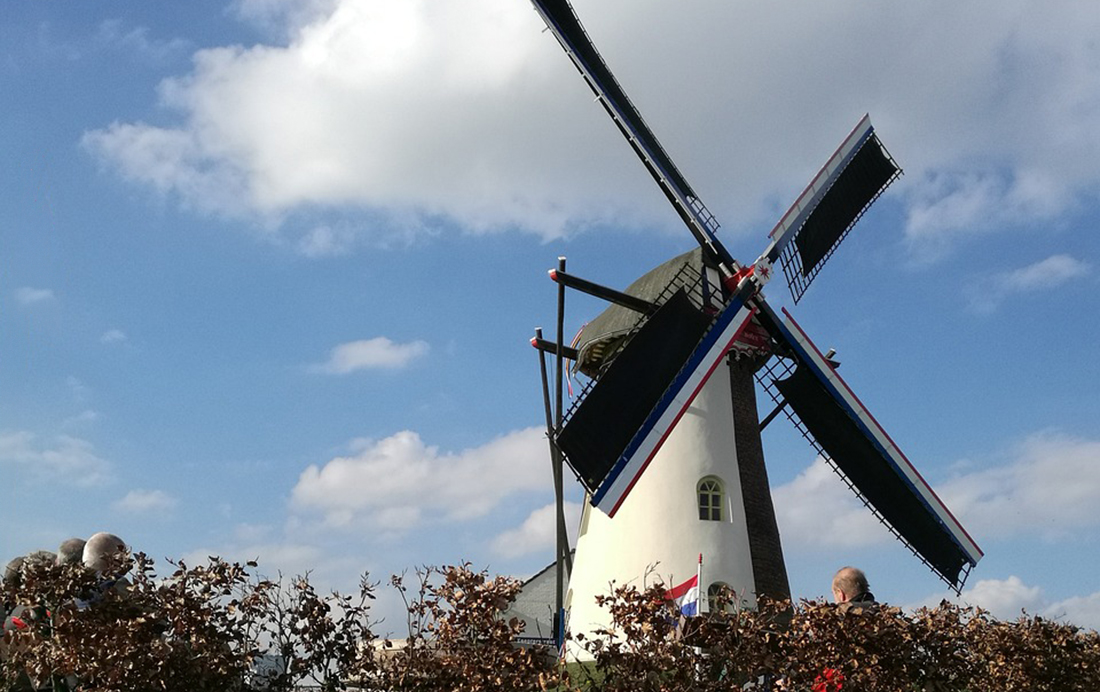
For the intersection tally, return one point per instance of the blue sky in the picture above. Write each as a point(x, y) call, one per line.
point(269, 269)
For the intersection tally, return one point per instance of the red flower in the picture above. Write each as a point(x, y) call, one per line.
point(830, 680)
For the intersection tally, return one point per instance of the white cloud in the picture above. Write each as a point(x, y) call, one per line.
point(67, 460)
point(538, 532)
point(375, 353)
point(288, 558)
point(146, 502)
point(399, 482)
point(468, 110)
point(1007, 599)
point(1004, 598)
point(170, 161)
point(325, 241)
point(1053, 271)
point(33, 296)
point(818, 509)
point(281, 16)
point(347, 113)
point(955, 205)
point(1048, 489)
point(1080, 610)
point(112, 336)
point(1049, 273)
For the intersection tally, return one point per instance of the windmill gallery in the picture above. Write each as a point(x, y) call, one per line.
point(665, 436)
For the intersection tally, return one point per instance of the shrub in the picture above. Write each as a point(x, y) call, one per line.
point(205, 627)
point(816, 646)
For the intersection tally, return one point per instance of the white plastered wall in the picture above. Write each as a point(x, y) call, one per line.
point(658, 524)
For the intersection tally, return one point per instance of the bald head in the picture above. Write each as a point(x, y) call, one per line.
point(848, 583)
point(100, 548)
point(71, 552)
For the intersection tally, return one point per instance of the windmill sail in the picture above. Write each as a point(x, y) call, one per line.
point(861, 451)
point(647, 376)
point(563, 22)
point(617, 406)
point(806, 236)
point(620, 425)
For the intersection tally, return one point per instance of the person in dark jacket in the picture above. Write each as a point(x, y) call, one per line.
point(851, 592)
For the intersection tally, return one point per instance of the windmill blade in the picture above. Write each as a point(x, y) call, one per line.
point(849, 182)
point(562, 21)
point(849, 437)
point(612, 435)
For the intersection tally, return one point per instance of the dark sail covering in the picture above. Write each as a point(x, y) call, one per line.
point(869, 171)
point(873, 474)
point(615, 408)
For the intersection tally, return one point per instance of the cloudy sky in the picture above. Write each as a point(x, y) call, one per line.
point(269, 268)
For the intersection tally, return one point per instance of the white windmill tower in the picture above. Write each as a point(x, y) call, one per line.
point(665, 438)
point(705, 492)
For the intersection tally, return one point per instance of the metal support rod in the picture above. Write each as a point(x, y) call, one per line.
point(555, 453)
point(551, 347)
point(565, 555)
point(609, 294)
point(555, 466)
point(559, 499)
point(783, 402)
point(771, 416)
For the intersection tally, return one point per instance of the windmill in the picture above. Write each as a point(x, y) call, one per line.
point(665, 437)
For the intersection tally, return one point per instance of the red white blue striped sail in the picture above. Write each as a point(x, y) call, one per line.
point(866, 455)
point(706, 357)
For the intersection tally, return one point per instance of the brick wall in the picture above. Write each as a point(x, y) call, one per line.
point(769, 570)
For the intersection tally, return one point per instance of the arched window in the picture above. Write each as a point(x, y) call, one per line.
point(719, 597)
point(711, 495)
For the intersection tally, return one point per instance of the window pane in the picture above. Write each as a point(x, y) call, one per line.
point(710, 499)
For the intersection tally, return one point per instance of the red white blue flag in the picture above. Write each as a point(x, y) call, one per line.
point(686, 596)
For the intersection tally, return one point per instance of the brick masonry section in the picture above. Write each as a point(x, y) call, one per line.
point(769, 570)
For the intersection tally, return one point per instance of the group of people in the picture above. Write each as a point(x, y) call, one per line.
point(94, 554)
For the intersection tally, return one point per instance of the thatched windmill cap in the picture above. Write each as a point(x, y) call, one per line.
point(603, 337)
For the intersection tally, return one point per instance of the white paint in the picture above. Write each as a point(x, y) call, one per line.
point(657, 530)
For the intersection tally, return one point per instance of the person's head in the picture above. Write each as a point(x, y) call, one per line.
point(39, 557)
point(71, 552)
point(13, 573)
point(99, 549)
point(848, 583)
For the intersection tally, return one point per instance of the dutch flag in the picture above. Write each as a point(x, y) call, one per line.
point(686, 596)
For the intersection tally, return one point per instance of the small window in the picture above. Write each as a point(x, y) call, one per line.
point(710, 499)
point(719, 597)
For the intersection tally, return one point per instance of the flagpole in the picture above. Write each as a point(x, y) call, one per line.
point(699, 583)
